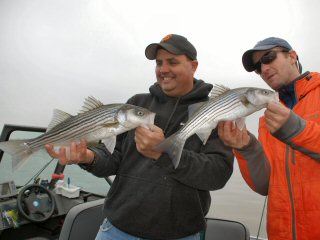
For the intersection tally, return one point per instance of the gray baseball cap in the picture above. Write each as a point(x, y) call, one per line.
point(173, 43)
point(262, 45)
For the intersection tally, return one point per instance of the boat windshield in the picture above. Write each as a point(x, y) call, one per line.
point(40, 167)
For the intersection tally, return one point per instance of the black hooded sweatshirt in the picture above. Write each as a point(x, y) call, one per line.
point(149, 198)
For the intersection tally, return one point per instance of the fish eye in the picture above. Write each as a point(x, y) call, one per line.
point(140, 113)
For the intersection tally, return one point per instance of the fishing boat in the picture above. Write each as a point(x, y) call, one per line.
point(45, 200)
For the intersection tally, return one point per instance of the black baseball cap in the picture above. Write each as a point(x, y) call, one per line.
point(173, 43)
point(262, 45)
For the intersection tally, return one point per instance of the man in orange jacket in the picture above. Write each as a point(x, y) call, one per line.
point(285, 163)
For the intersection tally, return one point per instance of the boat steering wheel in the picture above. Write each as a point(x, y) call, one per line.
point(35, 203)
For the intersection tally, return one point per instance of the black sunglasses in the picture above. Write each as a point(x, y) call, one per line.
point(268, 58)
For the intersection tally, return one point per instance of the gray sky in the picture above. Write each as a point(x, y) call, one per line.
point(53, 54)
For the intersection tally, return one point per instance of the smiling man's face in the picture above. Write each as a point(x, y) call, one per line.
point(175, 73)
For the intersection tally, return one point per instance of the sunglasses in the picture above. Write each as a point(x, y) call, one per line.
point(268, 58)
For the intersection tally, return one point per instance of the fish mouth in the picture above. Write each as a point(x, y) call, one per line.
point(149, 121)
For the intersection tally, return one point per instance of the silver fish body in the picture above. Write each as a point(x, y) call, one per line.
point(224, 104)
point(95, 122)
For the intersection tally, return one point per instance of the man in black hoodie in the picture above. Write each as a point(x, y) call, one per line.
point(149, 198)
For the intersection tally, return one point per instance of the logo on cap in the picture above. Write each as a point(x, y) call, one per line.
point(166, 38)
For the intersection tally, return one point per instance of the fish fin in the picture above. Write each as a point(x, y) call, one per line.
point(19, 151)
point(240, 123)
point(173, 146)
point(244, 99)
point(193, 108)
point(204, 136)
point(218, 90)
point(66, 147)
point(90, 103)
point(205, 132)
point(110, 143)
point(58, 117)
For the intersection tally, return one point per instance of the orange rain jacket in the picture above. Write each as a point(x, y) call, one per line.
point(286, 166)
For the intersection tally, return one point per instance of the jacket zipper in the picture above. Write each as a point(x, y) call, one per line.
point(288, 149)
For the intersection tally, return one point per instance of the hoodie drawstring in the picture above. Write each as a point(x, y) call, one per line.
point(171, 115)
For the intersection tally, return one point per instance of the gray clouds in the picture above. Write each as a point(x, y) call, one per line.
point(53, 54)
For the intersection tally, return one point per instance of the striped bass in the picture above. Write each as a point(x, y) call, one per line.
point(224, 104)
point(94, 122)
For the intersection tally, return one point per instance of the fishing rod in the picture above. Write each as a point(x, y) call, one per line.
point(264, 206)
point(39, 172)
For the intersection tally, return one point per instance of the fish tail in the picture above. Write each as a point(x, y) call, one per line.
point(173, 146)
point(19, 151)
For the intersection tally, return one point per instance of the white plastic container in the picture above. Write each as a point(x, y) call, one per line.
point(69, 191)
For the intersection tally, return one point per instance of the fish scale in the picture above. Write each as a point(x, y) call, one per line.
point(72, 127)
point(95, 122)
point(224, 104)
point(214, 110)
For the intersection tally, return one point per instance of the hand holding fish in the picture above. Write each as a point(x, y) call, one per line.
point(94, 122)
point(147, 138)
point(79, 153)
point(276, 115)
point(224, 104)
point(232, 136)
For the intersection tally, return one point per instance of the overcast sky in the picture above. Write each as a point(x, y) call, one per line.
point(53, 54)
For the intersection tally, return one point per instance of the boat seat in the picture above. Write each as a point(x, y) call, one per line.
point(220, 229)
point(83, 221)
